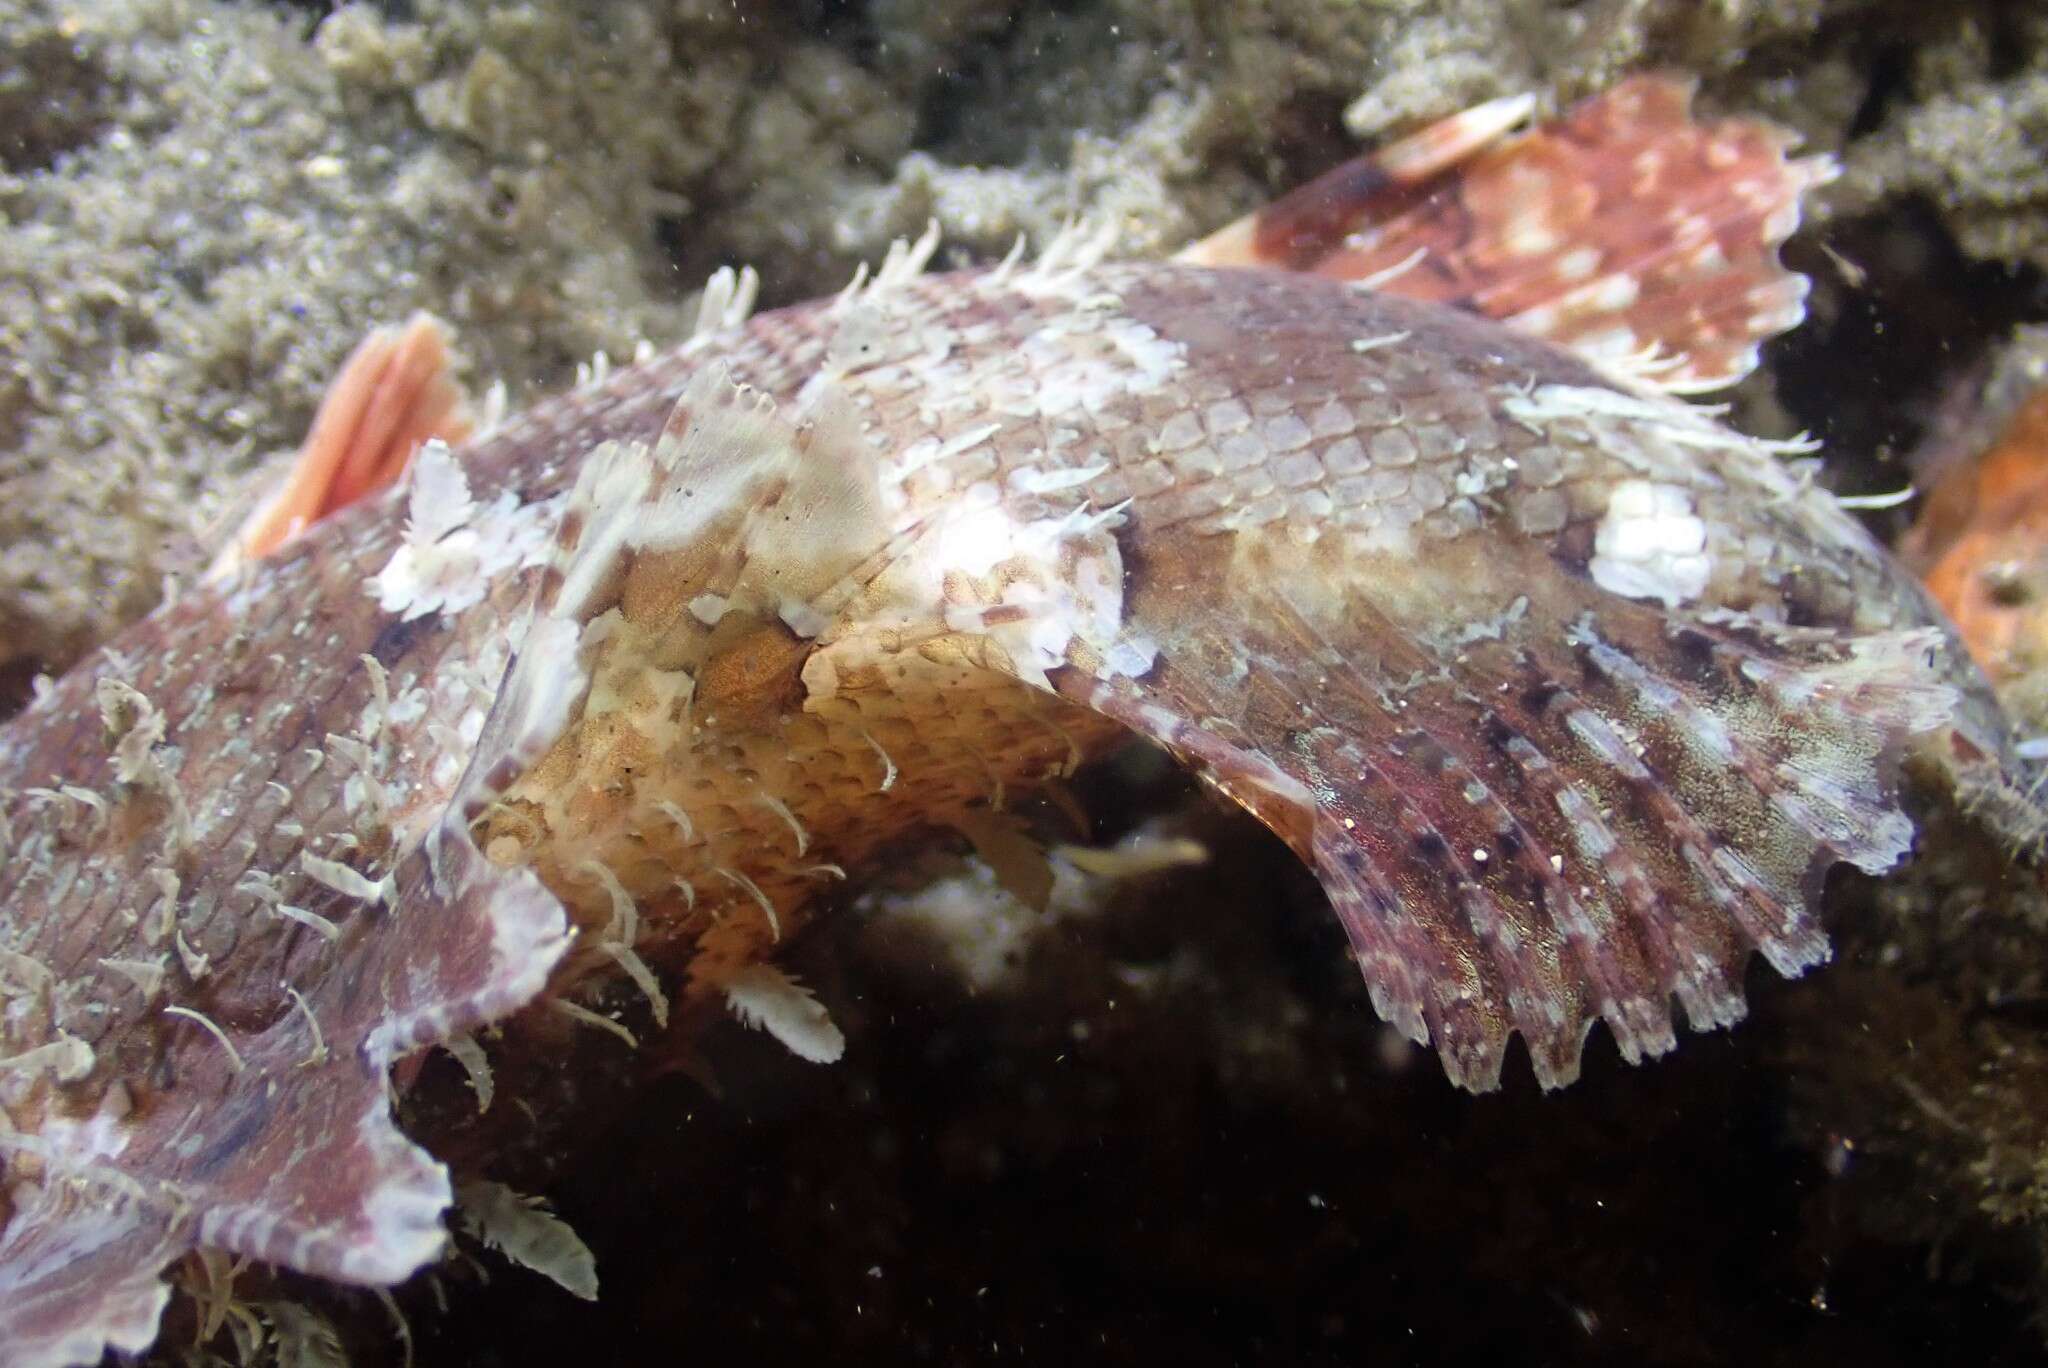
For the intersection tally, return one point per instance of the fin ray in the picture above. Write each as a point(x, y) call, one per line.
point(395, 392)
point(1621, 228)
point(1574, 818)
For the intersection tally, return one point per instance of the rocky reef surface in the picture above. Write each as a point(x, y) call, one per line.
point(1166, 1126)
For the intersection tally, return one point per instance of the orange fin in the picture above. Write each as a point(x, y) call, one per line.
point(1623, 229)
point(1980, 542)
point(395, 391)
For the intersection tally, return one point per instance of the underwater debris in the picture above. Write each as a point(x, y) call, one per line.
point(767, 999)
point(527, 1233)
point(476, 1065)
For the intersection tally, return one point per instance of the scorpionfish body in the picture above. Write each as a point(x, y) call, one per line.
point(1569, 695)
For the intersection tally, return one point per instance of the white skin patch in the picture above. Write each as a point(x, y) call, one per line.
point(455, 548)
point(1651, 545)
point(1036, 588)
point(1070, 377)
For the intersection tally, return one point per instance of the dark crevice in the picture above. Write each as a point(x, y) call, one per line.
point(1897, 317)
point(1886, 87)
point(17, 685)
point(54, 99)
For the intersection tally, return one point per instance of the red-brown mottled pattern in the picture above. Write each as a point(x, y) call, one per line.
point(1365, 573)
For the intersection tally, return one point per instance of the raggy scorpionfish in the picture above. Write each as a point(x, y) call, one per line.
point(1377, 510)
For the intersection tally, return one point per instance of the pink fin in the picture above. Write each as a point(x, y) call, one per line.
point(395, 391)
point(79, 1276)
point(1624, 229)
point(266, 1134)
point(1568, 823)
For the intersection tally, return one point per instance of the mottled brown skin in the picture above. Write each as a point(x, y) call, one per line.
point(281, 689)
point(1310, 616)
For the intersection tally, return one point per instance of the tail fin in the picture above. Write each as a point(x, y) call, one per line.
point(1623, 230)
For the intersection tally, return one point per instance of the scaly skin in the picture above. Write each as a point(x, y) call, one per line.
point(1380, 594)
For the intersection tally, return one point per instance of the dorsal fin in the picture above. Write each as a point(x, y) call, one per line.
point(1625, 230)
point(395, 392)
